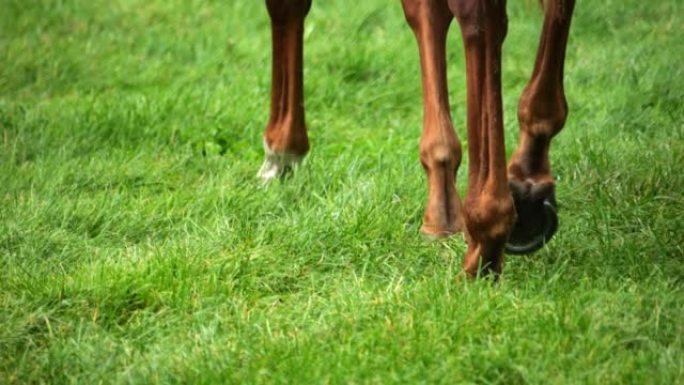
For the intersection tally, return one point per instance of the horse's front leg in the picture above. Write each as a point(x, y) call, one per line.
point(489, 210)
point(440, 150)
point(285, 139)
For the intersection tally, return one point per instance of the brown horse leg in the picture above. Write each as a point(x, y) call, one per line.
point(541, 113)
point(285, 139)
point(440, 150)
point(489, 210)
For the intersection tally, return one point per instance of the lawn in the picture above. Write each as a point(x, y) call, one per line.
point(137, 245)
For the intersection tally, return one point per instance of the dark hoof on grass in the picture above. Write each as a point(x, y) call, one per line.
point(537, 217)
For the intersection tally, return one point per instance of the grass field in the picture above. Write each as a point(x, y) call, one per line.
point(137, 246)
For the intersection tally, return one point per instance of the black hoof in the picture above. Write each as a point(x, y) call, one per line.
point(537, 218)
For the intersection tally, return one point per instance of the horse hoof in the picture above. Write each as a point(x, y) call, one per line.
point(537, 220)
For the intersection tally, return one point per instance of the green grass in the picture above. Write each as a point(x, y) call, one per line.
point(137, 246)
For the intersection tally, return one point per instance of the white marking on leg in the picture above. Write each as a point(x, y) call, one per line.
point(277, 164)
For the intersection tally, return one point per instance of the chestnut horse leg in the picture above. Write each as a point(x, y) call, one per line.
point(541, 114)
point(285, 139)
point(489, 209)
point(440, 150)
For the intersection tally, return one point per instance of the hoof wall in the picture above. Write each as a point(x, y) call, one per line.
point(537, 218)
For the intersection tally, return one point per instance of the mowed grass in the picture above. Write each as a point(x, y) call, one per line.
point(137, 246)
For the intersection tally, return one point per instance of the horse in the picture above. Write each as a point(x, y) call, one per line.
point(508, 207)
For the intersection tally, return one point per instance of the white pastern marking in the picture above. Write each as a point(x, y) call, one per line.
point(277, 164)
